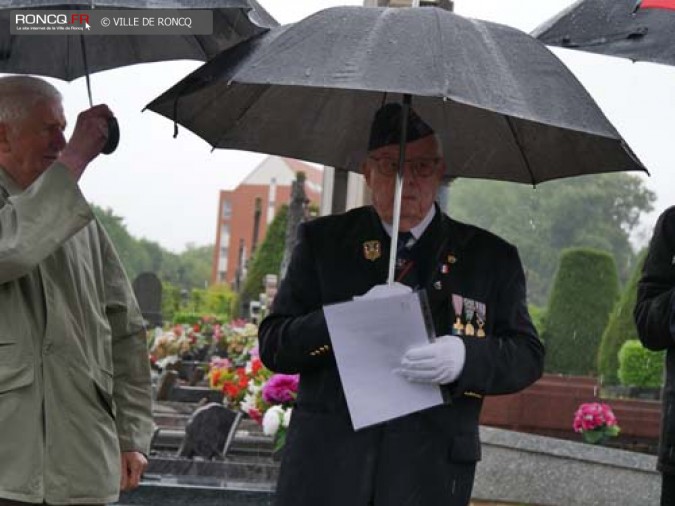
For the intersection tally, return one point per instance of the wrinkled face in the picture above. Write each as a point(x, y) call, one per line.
point(422, 176)
point(29, 146)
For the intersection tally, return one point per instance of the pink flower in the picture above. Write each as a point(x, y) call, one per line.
point(280, 388)
point(592, 416)
point(220, 363)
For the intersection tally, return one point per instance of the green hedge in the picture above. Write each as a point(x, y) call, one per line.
point(216, 299)
point(538, 315)
point(585, 289)
point(192, 318)
point(640, 367)
point(621, 328)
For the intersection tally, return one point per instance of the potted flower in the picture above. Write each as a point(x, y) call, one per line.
point(596, 422)
point(271, 405)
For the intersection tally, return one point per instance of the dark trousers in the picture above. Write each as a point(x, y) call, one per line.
point(668, 490)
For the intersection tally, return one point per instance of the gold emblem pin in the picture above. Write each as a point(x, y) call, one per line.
point(452, 259)
point(372, 250)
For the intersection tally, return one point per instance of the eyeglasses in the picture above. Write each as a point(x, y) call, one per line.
point(420, 167)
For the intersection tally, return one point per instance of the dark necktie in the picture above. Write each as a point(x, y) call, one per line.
point(404, 243)
point(405, 263)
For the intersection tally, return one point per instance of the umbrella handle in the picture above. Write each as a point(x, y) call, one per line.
point(113, 136)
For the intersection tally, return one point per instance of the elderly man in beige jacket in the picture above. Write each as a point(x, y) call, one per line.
point(75, 396)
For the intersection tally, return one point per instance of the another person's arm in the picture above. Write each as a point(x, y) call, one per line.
point(35, 222)
point(655, 306)
point(132, 391)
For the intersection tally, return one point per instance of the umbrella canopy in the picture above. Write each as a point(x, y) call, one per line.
point(615, 28)
point(60, 56)
point(71, 56)
point(502, 104)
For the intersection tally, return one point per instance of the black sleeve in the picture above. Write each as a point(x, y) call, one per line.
point(294, 337)
point(654, 315)
point(513, 356)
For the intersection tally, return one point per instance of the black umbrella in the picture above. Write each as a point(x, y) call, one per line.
point(71, 56)
point(644, 31)
point(60, 56)
point(503, 105)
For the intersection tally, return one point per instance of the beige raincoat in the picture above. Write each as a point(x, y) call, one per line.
point(74, 372)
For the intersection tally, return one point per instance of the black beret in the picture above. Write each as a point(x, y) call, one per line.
point(386, 127)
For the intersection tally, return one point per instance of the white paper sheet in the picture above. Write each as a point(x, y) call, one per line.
point(369, 338)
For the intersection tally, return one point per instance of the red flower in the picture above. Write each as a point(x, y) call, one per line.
point(255, 415)
point(256, 365)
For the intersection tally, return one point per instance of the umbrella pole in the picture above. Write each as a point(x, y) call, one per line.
point(405, 111)
point(113, 126)
point(86, 69)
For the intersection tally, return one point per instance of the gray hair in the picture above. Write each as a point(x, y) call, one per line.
point(18, 95)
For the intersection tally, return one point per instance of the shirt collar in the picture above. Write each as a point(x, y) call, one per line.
point(7, 183)
point(418, 229)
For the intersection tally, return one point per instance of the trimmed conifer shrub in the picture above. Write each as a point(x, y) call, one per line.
point(267, 259)
point(640, 367)
point(585, 289)
point(620, 328)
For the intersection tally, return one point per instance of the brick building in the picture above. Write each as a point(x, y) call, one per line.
point(245, 212)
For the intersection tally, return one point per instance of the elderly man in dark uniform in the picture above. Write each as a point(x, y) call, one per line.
point(655, 320)
point(488, 345)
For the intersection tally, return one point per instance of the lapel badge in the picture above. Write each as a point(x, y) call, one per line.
point(372, 250)
point(437, 285)
point(452, 259)
point(445, 269)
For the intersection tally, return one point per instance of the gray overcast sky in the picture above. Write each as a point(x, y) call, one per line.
point(167, 189)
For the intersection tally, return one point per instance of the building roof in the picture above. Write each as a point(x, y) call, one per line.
point(283, 170)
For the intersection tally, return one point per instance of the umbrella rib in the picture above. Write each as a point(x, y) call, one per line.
point(521, 149)
point(250, 103)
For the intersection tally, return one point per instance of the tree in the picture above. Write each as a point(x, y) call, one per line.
point(621, 328)
point(267, 259)
point(190, 269)
point(585, 290)
point(596, 211)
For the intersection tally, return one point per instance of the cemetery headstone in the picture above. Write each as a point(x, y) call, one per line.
point(209, 432)
point(148, 290)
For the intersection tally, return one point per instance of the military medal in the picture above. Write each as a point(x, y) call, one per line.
point(480, 318)
point(469, 310)
point(372, 250)
point(457, 328)
point(444, 269)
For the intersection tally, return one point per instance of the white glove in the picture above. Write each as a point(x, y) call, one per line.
point(439, 362)
point(383, 291)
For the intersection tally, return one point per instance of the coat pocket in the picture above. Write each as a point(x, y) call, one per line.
point(17, 375)
point(16, 368)
point(103, 383)
point(9, 351)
